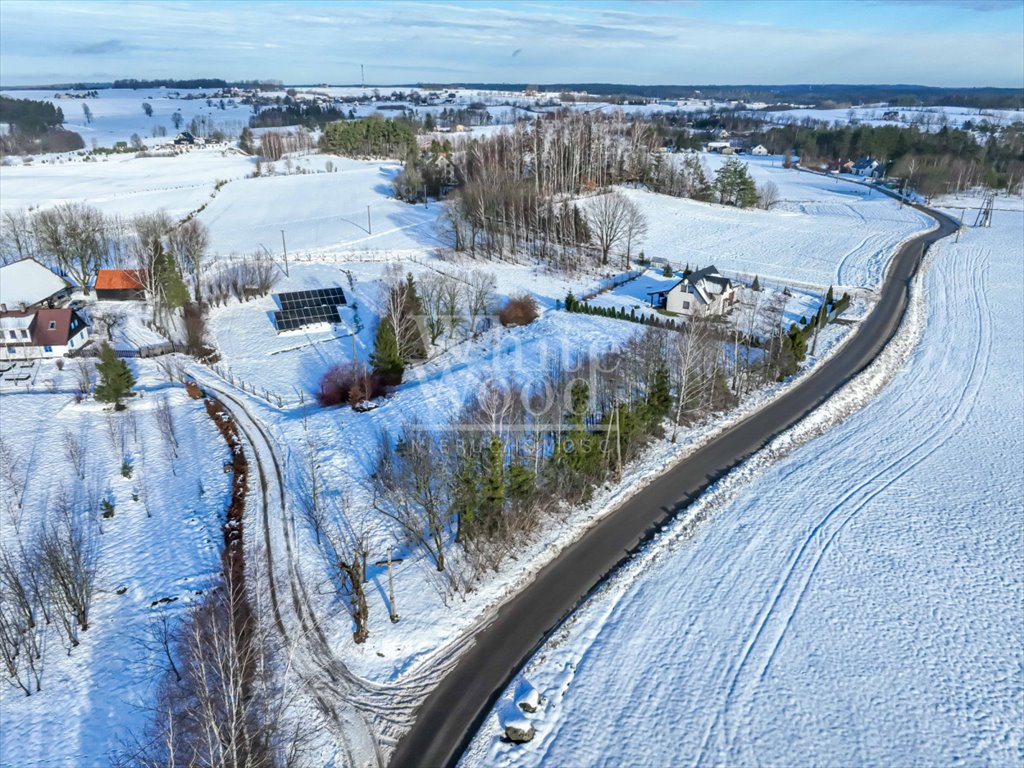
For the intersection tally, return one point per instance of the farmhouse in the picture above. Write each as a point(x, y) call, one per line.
point(27, 283)
point(702, 293)
point(41, 333)
point(120, 285)
point(760, 149)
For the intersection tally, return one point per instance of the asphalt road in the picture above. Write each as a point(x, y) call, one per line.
point(451, 715)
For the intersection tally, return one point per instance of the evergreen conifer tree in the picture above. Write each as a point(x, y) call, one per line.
point(116, 378)
point(386, 361)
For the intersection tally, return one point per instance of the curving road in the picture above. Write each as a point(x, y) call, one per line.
point(454, 710)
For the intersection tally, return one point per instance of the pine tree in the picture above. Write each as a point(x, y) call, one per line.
point(386, 360)
point(116, 378)
point(829, 297)
point(492, 489)
point(756, 285)
point(172, 286)
point(666, 271)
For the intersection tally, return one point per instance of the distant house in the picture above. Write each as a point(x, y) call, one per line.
point(760, 149)
point(41, 333)
point(184, 138)
point(842, 165)
point(721, 134)
point(702, 293)
point(27, 283)
point(891, 115)
point(865, 166)
point(120, 285)
point(719, 146)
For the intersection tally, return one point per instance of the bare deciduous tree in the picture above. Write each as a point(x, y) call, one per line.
point(479, 296)
point(74, 236)
point(636, 227)
point(607, 217)
point(75, 452)
point(346, 552)
point(412, 490)
point(69, 552)
point(17, 239)
point(768, 195)
point(165, 419)
point(189, 243)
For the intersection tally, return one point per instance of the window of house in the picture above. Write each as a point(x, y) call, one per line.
point(24, 333)
point(48, 349)
point(53, 325)
point(14, 335)
point(686, 305)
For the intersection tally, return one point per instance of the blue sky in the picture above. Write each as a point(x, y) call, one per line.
point(927, 42)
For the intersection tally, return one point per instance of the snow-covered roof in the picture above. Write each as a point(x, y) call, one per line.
point(28, 282)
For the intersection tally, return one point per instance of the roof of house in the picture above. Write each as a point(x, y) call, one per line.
point(119, 280)
point(701, 284)
point(28, 282)
point(53, 327)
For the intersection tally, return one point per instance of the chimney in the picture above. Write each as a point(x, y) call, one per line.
point(3, 307)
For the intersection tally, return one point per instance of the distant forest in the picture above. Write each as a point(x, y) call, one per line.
point(836, 95)
point(201, 82)
point(35, 127)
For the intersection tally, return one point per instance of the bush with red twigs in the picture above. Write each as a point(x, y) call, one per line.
point(348, 384)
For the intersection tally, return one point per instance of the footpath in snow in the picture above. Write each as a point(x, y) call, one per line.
point(859, 602)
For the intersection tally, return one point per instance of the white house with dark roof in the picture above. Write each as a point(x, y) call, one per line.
point(27, 283)
point(41, 333)
point(703, 293)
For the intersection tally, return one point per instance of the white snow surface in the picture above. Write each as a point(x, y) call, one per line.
point(823, 232)
point(164, 546)
point(858, 602)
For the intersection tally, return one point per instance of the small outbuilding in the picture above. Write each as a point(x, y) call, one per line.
point(120, 285)
point(760, 149)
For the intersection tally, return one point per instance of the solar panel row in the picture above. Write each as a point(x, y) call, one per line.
point(317, 296)
point(302, 308)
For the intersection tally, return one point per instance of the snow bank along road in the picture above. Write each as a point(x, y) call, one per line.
point(858, 602)
point(449, 716)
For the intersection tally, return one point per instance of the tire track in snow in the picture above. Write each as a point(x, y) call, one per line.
point(944, 430)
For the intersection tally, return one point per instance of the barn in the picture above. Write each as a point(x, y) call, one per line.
point(120, 285)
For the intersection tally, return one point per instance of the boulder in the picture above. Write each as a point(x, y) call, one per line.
point(519, 731)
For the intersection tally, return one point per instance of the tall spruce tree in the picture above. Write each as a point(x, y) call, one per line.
point(386, 359)
point(116, 378)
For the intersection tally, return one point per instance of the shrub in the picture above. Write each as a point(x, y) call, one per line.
point(520, 310)
point(347, 383)
point(108, 508)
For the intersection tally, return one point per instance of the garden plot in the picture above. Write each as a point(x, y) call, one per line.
point(156, 552)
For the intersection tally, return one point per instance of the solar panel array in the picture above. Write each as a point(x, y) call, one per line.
point(302, 308)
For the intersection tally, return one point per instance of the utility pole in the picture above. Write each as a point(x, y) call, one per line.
point(362, 76)
point(369, 225)
point(817, 325)
point(285, 249)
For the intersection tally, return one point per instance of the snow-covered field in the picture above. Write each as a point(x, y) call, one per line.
point(162, 543)
point(925, 118)
point(824, 231)
point(860, 602)
point(122, 184)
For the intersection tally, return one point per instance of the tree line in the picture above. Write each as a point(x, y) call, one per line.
point(35, 126)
